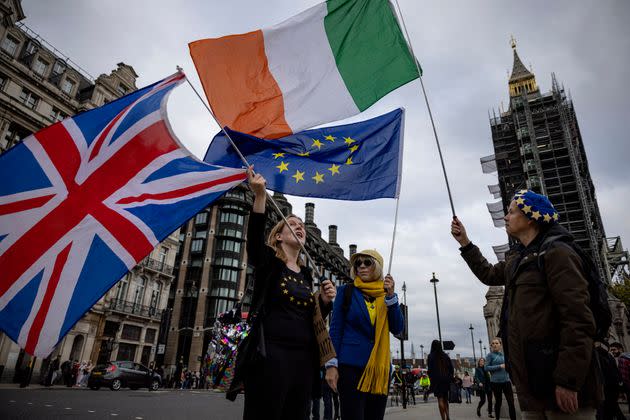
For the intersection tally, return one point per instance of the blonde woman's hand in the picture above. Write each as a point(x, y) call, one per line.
point(328, 291)
point(388, 285)
point(257, 182)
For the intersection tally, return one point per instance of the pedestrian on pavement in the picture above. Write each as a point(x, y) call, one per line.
point(440, 371)
point(66, 372)
point(622, 360)
point(546, 322)
point(425, 386)
point(456, 387)
point(279, 360)
point(482, 378)
point(362, 320)
point(467, 383)
point(500, 379)
point(51, 376)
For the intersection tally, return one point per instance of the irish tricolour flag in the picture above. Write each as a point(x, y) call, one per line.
point(330, 62)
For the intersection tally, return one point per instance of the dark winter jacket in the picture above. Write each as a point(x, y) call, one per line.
point(547, 326)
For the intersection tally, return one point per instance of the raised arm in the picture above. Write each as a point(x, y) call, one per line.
point(489, 274)
point(256, 248)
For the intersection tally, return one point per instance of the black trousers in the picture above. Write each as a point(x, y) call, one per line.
point(499, 389)
point(280, 387)
point(356, 405)
point(485, 392)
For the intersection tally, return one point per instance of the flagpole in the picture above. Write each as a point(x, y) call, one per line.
point(391, 251)
point(275, 205)
point(426, 100)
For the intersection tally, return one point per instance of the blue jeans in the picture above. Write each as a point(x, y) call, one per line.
point(468, 394)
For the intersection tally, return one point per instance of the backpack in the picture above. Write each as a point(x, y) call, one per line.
point(596, 286)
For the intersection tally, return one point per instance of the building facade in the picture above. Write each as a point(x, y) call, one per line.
point(212, 271)
point(38, 87)
point(538, 146)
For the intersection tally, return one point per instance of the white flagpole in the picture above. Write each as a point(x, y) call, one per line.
point(426, 100)
point(269, 197)
point(391, 251)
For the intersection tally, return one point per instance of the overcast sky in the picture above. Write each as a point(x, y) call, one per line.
point(464, 50)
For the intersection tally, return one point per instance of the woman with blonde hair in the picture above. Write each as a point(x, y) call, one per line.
point(279, 361)
point(360, 326)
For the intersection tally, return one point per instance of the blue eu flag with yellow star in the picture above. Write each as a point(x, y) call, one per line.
point(360, 161)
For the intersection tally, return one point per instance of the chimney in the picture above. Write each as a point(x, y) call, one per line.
point(332, 234)
point(353, 250)
point(309, 214)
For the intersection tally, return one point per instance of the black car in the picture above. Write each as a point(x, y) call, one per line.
point(120, 374)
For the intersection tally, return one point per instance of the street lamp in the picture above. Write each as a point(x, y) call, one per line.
point(472, 340)
point(402, 347)
point(485, 349)
point(422, 351)
point(480, 352)
point(437, 310)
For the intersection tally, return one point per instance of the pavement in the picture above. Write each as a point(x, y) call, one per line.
point(58, 402)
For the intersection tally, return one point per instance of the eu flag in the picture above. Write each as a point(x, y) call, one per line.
point(360, 161)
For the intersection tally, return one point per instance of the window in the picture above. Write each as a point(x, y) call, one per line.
point(229, 217)
point(218, 306)
point(230, 262)
point(67, 86)
point(201, 234)
point(121, 293)
point(197, 245)
point(223, 292)
point(228, 245)
point(122, 89)
point(139, 284)
point(56, 114)
point(9, 45)
point(3, 80)
point(201, 218)
point(40, 67)
point(126, 352)
point(28, 98)
point(235, 194)
point(149, 336)
point(163, 254)
point(236, 233)
point(31, 48)
point(58, 68)
point(131, 332)
point(227, 274)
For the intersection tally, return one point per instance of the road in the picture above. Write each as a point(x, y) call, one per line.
point(36, 402)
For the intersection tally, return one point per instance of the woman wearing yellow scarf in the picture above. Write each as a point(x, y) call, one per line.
point(364, 314)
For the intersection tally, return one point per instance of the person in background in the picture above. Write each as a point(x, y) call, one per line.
point(499, 379)
point(440, 371)
point(425, 386)
point(482, 378)
point(467, 383)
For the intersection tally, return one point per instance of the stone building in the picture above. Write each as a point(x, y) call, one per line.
point(38, 87)
point(212, 270)
point(538, 146)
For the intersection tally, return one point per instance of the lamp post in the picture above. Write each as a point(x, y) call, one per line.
point(480, 352)
point(437, 310)
point(485, 349)
point(422, 352)
point(472, 340)
point(402, 348)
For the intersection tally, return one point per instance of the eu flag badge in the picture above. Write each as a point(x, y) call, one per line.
point(359, 161)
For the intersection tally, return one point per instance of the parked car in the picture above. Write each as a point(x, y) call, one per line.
point(120, 374)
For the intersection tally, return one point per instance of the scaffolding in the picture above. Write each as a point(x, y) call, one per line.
point(616, 260)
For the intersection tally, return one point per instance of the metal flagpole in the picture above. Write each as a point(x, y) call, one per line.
point(426, 100)
point(275, 205)
point(391, 251)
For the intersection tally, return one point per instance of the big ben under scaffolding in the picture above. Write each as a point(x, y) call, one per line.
point(538, 146)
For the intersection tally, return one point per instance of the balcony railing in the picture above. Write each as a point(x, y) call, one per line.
point(132, 308)
point(156, 265)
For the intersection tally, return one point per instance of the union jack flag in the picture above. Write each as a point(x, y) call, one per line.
point(83, 201)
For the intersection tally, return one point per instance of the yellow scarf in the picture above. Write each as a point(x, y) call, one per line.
point(375, 379)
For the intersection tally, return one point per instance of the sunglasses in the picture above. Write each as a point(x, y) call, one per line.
point(366, 262)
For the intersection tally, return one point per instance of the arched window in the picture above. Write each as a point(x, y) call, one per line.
point(77, 348)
